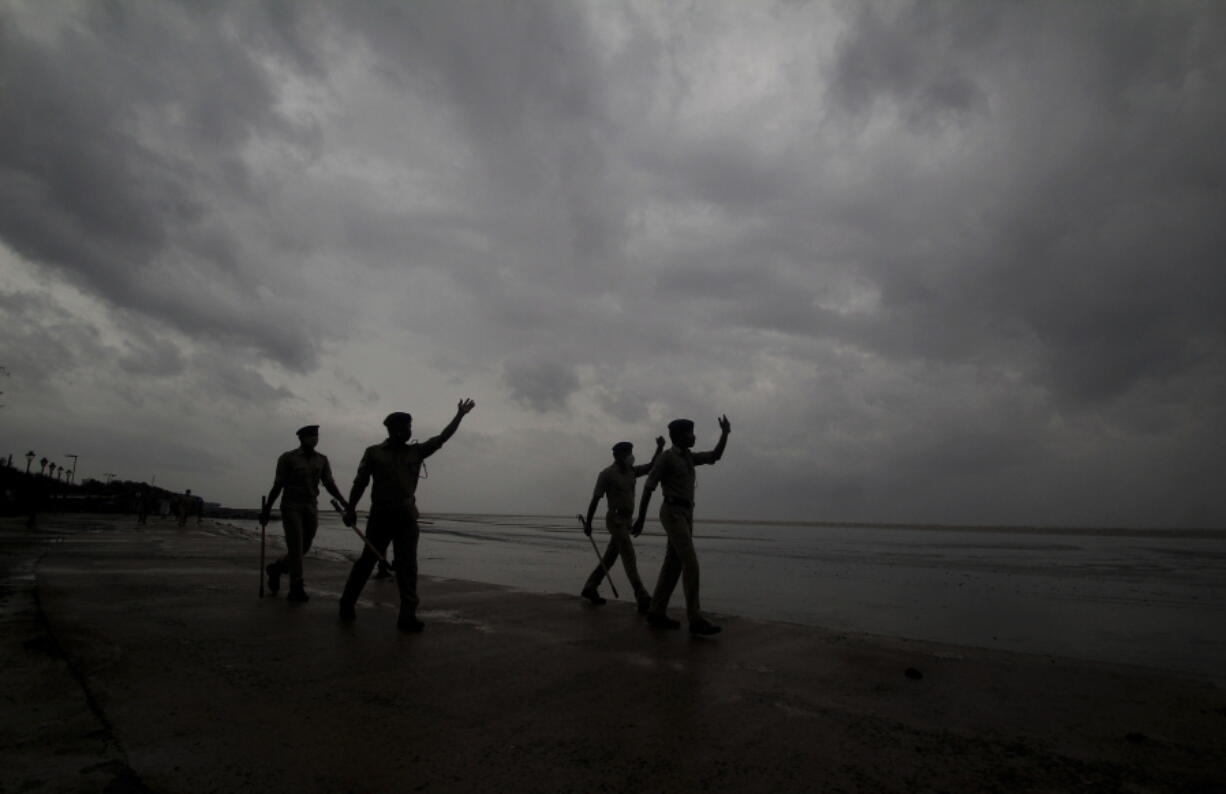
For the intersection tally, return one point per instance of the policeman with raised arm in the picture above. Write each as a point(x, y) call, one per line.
point(394, 467)
point(674, 473)
point(615, 484)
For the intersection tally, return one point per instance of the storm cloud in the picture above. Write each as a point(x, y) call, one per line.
point(937, 262)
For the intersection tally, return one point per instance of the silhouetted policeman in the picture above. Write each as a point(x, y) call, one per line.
point(674, 472)
point(299, 473)
point(615, 484)
point(394, 467)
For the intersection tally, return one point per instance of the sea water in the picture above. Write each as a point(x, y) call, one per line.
point(1154, 598)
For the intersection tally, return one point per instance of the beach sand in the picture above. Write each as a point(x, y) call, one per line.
point(141, 659)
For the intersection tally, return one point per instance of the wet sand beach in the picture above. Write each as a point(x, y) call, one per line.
point(141, 659)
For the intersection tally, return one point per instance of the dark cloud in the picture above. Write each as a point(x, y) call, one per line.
point(224, 377)
point(916, 56)
point(937, 261)
point(1086, 236)
point(42, 340)
point(50, 341)
point(540, 382)
point(122, 156)
point(622, 404)
point(147, 354)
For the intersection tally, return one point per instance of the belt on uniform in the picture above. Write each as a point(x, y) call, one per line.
point(676, 501)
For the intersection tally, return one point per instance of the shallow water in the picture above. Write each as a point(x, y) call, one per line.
point(1147, 598)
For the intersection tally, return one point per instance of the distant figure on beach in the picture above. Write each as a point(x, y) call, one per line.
point(394, 466)
point(183, 507)
point(142, 505)
point(615, 484)
point(674, 472)
point(299, 473)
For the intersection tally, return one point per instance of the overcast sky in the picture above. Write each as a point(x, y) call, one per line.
point(938, 262)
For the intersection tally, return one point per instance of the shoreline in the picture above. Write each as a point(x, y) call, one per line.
point(251, 514)
point(1150, 602)
point(194, 680)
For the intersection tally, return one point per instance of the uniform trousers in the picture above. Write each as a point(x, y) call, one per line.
point(680, 561)
point(397, 527)
point(300, 521)
point(620, 545)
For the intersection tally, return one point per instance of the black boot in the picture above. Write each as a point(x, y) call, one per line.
point(274, 576)
point(644, 602)
point(703, 627)
point(408, 621)
point(591, 595)
point(296, 592)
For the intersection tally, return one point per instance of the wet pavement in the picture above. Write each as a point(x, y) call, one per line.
point(141, 659)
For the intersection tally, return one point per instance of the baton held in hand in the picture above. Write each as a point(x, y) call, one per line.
point(337, 507)
point(607, 575)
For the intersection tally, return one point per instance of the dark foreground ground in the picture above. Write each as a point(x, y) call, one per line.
point(142, 660)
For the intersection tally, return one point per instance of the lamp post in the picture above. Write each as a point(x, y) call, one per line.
point(72, 474)
point(29, 460)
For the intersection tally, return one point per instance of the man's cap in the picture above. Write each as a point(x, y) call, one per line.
point(621, 447)
point(397, 418)
point(308, 430)
point(680, 426)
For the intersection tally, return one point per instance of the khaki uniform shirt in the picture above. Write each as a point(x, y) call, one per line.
point(394, 469)
point(299, 473)
point(616, 485)
point(674, 472)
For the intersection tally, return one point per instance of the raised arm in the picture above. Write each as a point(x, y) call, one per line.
point(462, 408)
point(644, 468)
point(725, 427)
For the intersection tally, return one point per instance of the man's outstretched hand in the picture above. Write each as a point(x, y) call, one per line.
point(465, 406)
point(724, 425)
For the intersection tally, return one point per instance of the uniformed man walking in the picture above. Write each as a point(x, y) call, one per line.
point(394, 467)
point(615, 484)
point(299, 473)
point(674, 473)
